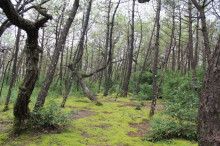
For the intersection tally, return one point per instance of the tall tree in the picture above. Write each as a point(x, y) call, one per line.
point(156, 52)
point(14, 68)
point(78, 56)
point(21, 110)
point(130, 53)
point(209, 105)
point(109, 70)
point(51, 70)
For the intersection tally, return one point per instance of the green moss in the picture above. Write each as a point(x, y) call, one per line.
point(3, 138)
point(108, 125)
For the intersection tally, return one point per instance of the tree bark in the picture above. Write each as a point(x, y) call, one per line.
point(109, 70)
point(14, 73)
point(78, 54)
point(154, 99)
point(130, 54)
point(51, 70)
point(106, 49)
point(145, 59)
point(209, 105)
point(21, 110)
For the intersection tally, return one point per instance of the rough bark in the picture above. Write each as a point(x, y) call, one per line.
point(173, 31)
point(21, 110)
point(209, 105)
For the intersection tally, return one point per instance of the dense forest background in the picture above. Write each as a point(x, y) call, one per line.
point(142, 50)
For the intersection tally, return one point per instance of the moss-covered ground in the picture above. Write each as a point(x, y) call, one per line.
point(109, 124)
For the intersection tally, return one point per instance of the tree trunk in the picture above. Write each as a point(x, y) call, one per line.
point(78, 54)
point(153, 105)
point(106, 49)
point(130, 53)
point(14, 73)
point(179, 44)
point(190, 39)
point(21, 110)
point(145, 59)
point(51, 71)
point(209, 105)
point(109, 70)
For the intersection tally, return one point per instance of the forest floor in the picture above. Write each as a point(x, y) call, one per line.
point(114, 123)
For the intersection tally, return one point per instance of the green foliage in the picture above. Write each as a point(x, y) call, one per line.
point(164, 128)
point(181, 95)
point(145, 87)
point(50, 116)
point(139, 105)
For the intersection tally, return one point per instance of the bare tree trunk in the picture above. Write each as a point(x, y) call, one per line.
point(146, 57)
point(21, 110)
point(190, 39)
point(197, 43)
point(51, 71)
point(4, 74)
point(14, 73)
point(42, 52)
point(109, 70)
point(106, 49)
point(130, 54)
point(179, 44)
point(153, 105)
point(209, 105)
point(78, 54)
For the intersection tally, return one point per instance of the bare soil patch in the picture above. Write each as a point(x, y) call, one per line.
point(104, 126)
point(147, 105)
point(83, 114)
point(107, 113)
point(143, 128)
point(86, 135)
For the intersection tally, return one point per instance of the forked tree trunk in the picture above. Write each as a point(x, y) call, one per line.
point(21, 110)
point(109, 70)
point(79, 53)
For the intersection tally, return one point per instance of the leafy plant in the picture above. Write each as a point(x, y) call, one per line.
point(50, 116)
point(181, 96)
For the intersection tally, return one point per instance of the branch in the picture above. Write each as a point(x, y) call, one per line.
point(13, 15)
point(197, 5)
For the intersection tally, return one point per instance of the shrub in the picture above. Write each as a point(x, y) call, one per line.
point(181, 95)
point(50, 116)
point(164, 128)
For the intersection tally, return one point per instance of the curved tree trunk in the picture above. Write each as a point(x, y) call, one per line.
point(21, 110)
